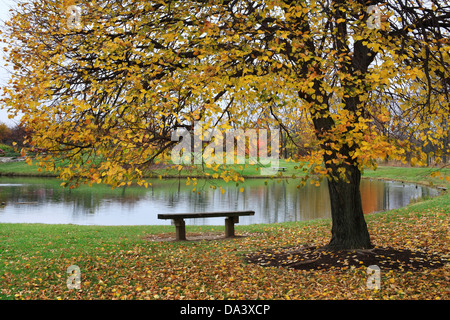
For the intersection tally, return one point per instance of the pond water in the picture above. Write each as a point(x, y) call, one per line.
point(38, 200)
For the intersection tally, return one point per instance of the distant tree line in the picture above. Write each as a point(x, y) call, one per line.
point(11, 134)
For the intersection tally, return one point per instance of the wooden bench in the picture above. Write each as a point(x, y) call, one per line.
point(231, 218)
point(280, 168)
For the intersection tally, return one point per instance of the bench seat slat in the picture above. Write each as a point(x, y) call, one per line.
point(204, 214)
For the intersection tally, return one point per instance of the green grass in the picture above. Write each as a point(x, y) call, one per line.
point(417, 174)
point(407, 174)
point(20, 168)
point(247, 170)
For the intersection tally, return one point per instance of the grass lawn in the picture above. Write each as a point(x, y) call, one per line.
point(18, 168)
point(247, 170)
point(124, 262)
point(417, 175)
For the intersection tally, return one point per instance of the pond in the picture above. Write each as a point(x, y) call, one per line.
point(39, 200)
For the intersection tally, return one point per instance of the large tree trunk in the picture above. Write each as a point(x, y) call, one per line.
point(349, 229)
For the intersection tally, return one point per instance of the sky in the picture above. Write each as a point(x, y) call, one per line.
point(5, 5)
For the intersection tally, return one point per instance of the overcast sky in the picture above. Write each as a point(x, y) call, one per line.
point(5, 5)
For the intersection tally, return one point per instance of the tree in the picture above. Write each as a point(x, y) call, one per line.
point(104, 84)
point(5, 131)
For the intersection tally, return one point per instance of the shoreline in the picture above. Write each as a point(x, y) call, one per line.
point(50, 175)
point(421, 175)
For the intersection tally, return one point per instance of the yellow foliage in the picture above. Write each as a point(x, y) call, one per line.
point(113, 89)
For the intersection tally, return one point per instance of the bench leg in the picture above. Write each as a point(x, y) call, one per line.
point(229, 226)
point(180, 227)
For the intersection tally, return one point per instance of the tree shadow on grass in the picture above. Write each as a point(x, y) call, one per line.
point(321, 258)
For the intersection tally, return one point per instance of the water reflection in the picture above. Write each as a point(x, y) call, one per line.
point(44, 201)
